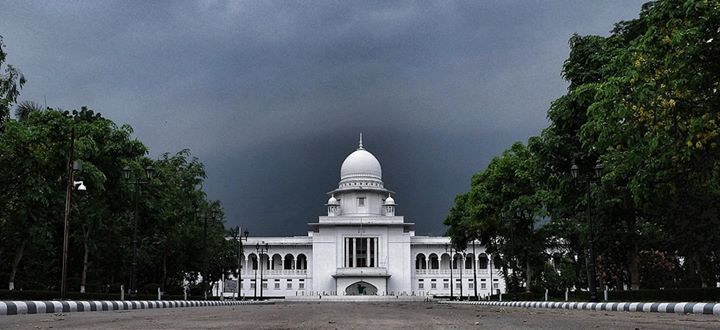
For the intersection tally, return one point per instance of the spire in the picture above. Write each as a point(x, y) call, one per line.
point(360, 147)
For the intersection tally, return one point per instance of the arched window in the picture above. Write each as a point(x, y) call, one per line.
point(457, 261)
point(276, 261)
point(469, 261)
point(289, 261)
point(253, 261)
point(301, 261)
point(483, 261)
point(420, 262)
point(434, 261)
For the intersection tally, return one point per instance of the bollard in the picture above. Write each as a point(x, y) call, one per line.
point(500, 296)
point(567, 291)
point(122, 292)
point(185, 292)
point(159, 297)
point(546, 294)
point(605, 293)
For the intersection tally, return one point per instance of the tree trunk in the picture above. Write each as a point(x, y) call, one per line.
point(16, 262)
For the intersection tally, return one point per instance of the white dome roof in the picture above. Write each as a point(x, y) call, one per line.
point(333, 200)
point(389, 201)
point(361, 163)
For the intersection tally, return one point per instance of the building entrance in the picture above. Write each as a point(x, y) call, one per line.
point(361, 288)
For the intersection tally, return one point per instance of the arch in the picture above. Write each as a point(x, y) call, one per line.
point(420, 261)
point(289, 261)
point(434, 261)
point(445, 261)
point(242, 262)
point(276, 261)
point(469, 258)
point(253, 260)
point(483, 261)
point(301, 261)
point(457, 261)
point(264, 261)
point(361, 288)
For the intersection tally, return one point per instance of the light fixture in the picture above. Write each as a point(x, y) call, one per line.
point(80, 184)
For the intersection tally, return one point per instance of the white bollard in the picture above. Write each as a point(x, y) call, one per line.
point(185, 292)
point(567, 294)
point(500, 296)
point(159, 297)
point(122, 292)
point(606, 293)
point(546, 294)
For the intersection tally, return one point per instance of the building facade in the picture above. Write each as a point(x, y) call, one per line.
point(361, 247)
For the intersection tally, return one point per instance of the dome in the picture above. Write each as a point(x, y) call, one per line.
point(361, 163)
point(389, 201)
point(333, 201)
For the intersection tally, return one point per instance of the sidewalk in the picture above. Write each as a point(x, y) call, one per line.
point(654, 307)
point(66, 306)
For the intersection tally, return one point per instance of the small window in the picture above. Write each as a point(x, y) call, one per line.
point(446, 286)
point(421, 286)
point(264, 285)
point(301, 285)
point(483, 286)
point(471, 285)
point(252, 285)
point(277, 285)
point(433, 285)
point(496, 286)
point(458, 285)
point(289, 285)
point(361, 201)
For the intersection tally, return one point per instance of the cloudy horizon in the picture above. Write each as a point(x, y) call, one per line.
point(271, 96)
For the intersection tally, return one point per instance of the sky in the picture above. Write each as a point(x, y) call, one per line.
point(271, 96)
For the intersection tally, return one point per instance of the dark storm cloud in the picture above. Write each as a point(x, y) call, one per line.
point(272, 95)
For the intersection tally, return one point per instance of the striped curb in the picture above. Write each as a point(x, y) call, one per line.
point(680, 308)
point(66, 306)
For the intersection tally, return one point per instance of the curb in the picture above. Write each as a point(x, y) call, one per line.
point(654, 307)
point(66, 306)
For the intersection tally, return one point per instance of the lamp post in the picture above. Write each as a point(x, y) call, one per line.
point(240, 238)
point(138, 182)
point(72, 167)
point(452, 251)
point(589, 178)
point(261, 249)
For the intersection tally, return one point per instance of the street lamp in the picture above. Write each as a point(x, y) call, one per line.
point(589, 178)
point(452, 251)
point(127, 175)
point(261, 249)
point(240, 238)
point(72, 167)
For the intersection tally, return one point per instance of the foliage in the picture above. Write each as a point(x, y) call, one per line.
point(180, 232)
point(644, 103)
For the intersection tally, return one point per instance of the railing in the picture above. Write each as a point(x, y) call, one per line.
point(277, 272)
point(447, 271)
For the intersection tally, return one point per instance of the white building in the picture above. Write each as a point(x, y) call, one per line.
point(360, 247)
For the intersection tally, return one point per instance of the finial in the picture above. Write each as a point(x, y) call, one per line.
point(360, 147)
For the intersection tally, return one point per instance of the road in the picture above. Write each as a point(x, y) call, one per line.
point(411, 315)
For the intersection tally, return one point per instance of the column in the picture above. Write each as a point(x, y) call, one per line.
point(367, 252)
point(347, 252)
point(354, 256)
point(377, 252)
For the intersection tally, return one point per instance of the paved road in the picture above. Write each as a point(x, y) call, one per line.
point(359, 315)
